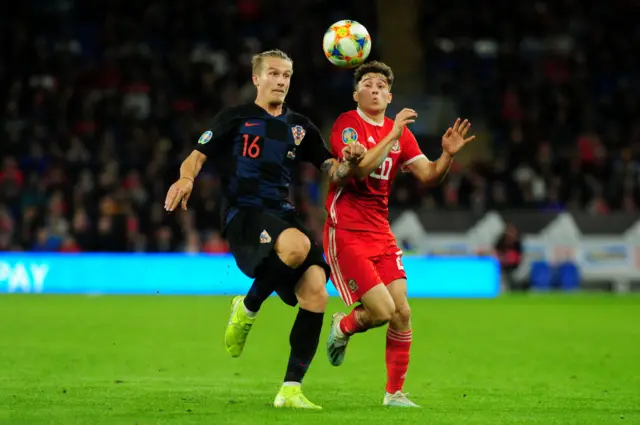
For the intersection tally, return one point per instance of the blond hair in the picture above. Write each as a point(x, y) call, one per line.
point(256, 60)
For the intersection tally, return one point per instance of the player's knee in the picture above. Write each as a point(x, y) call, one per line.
point(379, 305)
point(402, 316)
point(383, 317)
point(293, 247)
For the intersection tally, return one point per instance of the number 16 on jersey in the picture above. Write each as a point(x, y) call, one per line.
point(250, 146)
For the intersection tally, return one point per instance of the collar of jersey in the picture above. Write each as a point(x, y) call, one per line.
point(367, 119)
point(285, 110)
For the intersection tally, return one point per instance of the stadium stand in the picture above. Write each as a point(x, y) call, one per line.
point(102, 99)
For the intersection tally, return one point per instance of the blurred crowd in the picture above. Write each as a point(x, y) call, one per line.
point(554, 85)
point(103, 99)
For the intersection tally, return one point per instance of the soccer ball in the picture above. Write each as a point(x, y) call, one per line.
point(347, 44)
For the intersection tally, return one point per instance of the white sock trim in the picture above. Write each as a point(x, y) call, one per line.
point(249, 312)
point(291, 384)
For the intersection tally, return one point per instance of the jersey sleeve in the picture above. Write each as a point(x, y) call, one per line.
point(218, 133)
point(347, 129)
point(313, 148)
point(411, 151)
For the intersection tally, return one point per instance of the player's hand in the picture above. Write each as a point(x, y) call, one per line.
point(178, 193)
point(353, 153)
point(404, 117)
point(455, 139)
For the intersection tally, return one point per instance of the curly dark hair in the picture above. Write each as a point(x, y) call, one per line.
point(375, 67)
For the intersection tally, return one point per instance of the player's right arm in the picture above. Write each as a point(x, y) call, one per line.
point(191, 166)
point(208, 144)
point(376, 155)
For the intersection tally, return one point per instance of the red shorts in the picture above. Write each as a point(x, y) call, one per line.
point(361, 260)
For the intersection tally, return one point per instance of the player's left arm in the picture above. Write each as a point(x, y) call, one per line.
point(433, 172)
point(314, 150)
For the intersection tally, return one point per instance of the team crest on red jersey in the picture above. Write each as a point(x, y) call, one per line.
point(396, 146)
point(298, 134)
point(353, 285)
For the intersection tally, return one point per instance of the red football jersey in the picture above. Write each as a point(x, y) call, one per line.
point(364, 204)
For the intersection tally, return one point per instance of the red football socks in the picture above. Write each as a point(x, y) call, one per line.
point(397, 358)
point(351, 323)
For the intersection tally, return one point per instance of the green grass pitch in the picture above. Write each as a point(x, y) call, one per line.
point(534, 359)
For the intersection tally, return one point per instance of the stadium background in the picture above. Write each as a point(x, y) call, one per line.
point(102, 99)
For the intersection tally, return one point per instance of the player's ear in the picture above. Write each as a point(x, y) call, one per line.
point(355, 96)
point(254, 78)
point(390, 97)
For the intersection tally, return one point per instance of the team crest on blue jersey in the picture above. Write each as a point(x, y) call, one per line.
point(298, 134)
point(349, 135)
point(396, 146)
point(206, 136)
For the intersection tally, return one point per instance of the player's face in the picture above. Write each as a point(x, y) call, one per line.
point(373, 93)
point(273, 80)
